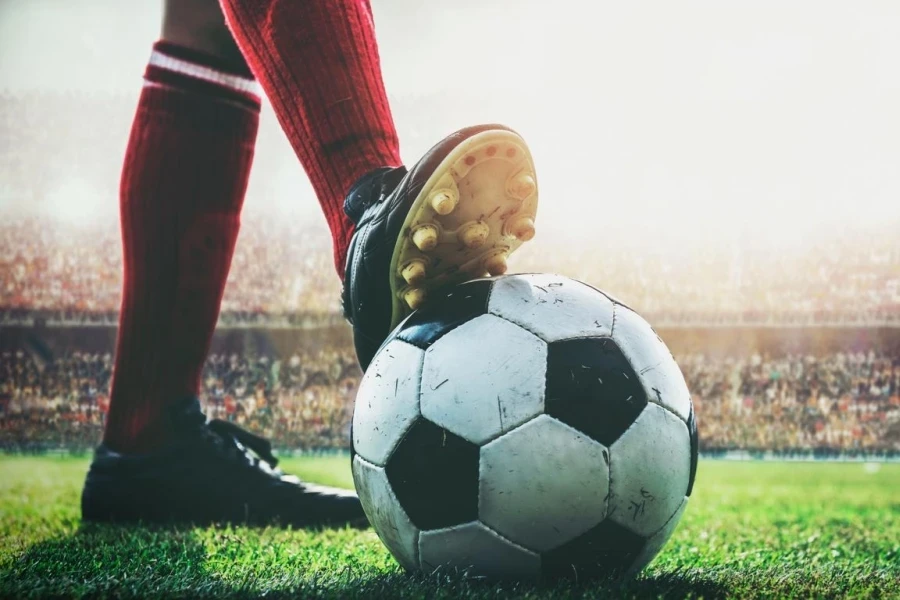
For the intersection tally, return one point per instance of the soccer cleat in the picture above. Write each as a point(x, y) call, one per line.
point(414, 271)
point(214, 472)
point(522, 228)
point(414, 297)
point(495, 264)
point(425, 237)
point(456, 215)
point(444, 201)
point(474, 235)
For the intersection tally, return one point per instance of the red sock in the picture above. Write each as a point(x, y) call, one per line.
point(318, 63)
point(183, 184)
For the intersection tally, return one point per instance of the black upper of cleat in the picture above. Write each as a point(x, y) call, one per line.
point(213, 472)
point(378, 204)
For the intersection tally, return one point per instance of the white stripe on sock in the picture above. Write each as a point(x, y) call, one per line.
point(177, 65)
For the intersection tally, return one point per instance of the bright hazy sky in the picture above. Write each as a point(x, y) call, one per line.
point(760, 116)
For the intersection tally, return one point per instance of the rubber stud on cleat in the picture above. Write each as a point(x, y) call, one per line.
point(413, 272)
point(522, 185)
point(425, 237)
point(496, 264)
point(444, 201)
point(474, 234)
point(414, 297)
point(522, 228)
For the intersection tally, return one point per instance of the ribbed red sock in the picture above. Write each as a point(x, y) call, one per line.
point(183, 184)
point(318, 63)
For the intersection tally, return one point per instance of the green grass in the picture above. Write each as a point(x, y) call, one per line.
point(751, 530)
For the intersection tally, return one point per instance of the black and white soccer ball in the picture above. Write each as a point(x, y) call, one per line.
point(524, 427)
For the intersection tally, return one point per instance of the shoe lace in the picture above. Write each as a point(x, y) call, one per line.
point(248, 446)
point(372, 188)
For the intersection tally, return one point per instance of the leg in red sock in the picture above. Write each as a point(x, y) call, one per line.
point(318, 62)
point(183, 183)
point(458, 213)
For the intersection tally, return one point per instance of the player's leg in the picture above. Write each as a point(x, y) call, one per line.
point(457, 213)
point(183, 182)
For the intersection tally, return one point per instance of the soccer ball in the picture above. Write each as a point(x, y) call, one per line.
point(524, 427)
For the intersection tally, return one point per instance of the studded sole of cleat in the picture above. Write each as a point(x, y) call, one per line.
point(490, 181)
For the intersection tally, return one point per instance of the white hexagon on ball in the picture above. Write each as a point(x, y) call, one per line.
point(387, 401)
point(543, 484)
point(649, 469)
point(660, 375)
point(484, 378)
point(476, 550)
point(552, 306)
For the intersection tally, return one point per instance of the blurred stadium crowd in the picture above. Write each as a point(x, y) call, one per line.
point(68, 269)
point(64, 271)
point(282, 272)
point(303, 400)
point(73, 276)
point(838, 401)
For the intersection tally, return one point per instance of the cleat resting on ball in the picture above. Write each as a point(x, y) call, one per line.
point(526, 427)
point(468, 188)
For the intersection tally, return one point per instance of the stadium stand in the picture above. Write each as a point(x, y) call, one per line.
point(281, 274)
point(283, 365)
point(303, 399)
point(55, 272)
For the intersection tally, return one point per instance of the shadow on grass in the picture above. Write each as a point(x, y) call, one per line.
point(110, 561)
point(142, 562)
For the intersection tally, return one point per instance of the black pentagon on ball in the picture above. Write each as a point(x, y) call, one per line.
point(592, 387)
point(606, 550)
point(445, 311)
point(434, 474)
point(695, 448)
